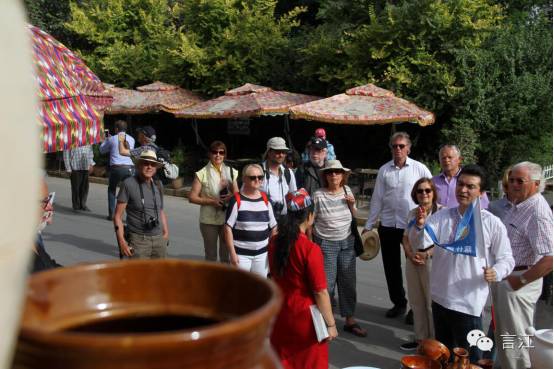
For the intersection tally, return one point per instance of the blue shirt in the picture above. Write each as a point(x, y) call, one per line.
point(111, 145)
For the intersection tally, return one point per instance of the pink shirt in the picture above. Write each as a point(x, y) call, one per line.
point(529, 226)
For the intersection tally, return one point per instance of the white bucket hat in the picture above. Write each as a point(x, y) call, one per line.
point(276, 143)
point(333, 164)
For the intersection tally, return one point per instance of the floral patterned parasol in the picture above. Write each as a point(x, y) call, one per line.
point(366, 104)
point(246, 101)
point(150, 98)
point(72, 97)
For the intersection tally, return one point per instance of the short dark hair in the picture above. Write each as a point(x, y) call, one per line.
point(216, 145)
point(121, 125)
point(476, 171)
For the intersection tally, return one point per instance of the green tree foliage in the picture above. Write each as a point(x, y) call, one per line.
point(241, 42)
point(49, 16)
point(132, 42)
point(207, 45)
point(505, 107)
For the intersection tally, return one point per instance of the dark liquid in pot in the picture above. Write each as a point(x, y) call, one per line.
point(143, 324)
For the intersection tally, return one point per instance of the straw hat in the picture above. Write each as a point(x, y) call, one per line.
point(371, 243)
point(333, 164)
point(149, 156)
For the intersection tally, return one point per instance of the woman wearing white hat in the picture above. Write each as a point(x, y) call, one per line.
point(334, 208)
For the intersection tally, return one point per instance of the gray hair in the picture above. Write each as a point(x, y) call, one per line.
point(251, 166)
point(398, 135)
point(535, 172)
point(451, 147)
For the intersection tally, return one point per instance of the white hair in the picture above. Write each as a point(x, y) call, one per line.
point(452, 147)
point(398, 135)
point(535, 172)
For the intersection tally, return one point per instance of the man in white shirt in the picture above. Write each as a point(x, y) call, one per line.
point(459, 283)
point(278, 180)
point(391, 202)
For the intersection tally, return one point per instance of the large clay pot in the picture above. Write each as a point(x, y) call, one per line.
point(148, 314)
point(541, 354)
point(434, 350)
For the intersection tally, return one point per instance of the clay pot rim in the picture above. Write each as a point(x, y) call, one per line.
point(239, 326)
point(437, 363)
point(442, 346)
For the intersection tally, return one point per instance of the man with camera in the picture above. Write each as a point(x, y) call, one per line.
point(141, 197)
point(279, 181)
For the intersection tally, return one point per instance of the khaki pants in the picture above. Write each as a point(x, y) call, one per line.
point(514, 312)
point(147, 247)
point(211, 233)
point(419, 296)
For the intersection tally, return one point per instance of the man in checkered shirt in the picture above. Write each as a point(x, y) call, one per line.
point(78, 163)
point(529, 225)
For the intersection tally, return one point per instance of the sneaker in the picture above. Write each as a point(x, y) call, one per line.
point(409, 320)
point(409, 346)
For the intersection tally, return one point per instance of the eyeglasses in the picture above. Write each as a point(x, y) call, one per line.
point(519, 181)
point(280, 152)
point(398, 146)
point(218, 152)
point(422, 190)
point(148, 164)
point(253, 178)
point(333, 171)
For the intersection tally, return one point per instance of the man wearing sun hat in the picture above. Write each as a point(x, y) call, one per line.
point(278, 180)
point(141, 197)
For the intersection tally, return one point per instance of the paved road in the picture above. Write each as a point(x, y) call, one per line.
point(87, 237)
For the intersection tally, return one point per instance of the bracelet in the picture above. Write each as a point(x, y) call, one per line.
point(332, 325)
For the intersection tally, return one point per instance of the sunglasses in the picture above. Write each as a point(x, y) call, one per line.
point(218, 152)
point(398, 146)
point(334, 171)
point(424, 190)
point(253, 178)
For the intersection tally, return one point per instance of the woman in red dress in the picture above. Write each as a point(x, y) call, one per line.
point(296, 265)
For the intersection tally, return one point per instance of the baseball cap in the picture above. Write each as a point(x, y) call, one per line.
point(148, 131)
point(318, 143)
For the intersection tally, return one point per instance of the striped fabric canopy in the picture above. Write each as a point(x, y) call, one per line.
point(246, 101)
point(72, 97)
point(367, 105)
point(151, 98)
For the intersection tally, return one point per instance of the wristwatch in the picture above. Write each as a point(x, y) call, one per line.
point(522, 280)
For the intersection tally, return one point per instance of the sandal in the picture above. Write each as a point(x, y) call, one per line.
point(355, 329)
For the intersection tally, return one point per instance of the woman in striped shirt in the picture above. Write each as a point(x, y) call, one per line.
point(334, 208)
point(249, 223)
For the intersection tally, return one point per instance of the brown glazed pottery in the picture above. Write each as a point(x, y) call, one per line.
point(434, 350)
point(419, 362)
point(486, 363)
point(155, 314)
point(461, 359)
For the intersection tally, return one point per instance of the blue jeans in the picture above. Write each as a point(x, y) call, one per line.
point(117, 174)
point(452, 327)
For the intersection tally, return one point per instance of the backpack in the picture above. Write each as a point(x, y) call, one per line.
point(264, 197)
point(169, 170)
